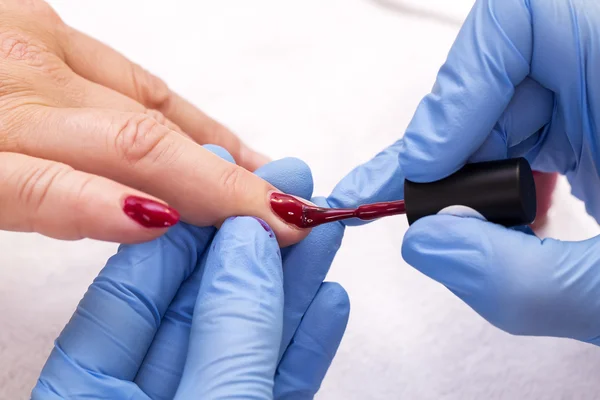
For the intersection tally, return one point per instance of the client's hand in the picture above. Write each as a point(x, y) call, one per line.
point(81, 127)
point(194, 315)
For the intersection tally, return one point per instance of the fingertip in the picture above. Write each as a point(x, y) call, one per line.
point(148, 219)
point(292, 176)
point(439, 236)
point(459, 244)
point(220, 151)
point(245, 249)
point(418, 232)
point(424, 156)
point(289, 175)
point(242, 193)
point(140, 235)
point(288, 235)
point(334, 299)
point(243, 229)
point(288, 223)
point(380, 179)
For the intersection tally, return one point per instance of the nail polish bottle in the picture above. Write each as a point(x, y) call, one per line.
point(545, 183)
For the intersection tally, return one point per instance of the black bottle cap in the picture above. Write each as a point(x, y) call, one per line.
point(502, 191)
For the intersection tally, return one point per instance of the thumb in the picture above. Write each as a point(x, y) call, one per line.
point(489, 58)
point(519, 283)
point(238, 318)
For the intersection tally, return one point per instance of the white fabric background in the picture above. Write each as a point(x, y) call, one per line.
point(343, 74)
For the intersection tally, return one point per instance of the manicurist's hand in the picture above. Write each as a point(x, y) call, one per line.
point(520, 81)
point(201, 314)
point(91, 145)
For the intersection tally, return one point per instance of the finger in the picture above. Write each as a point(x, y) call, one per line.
point(203, 129)
point(516, 281)
point(103, 65)
point(160, 373)
point(93, 95)
point(519, 133)
point(100, 350)
point(516, 134)
point(57, 201)
point(380, 179)
point(238, 316)
point(288, 174)
point(305, 267)
point(136, 150)
point(471, 92)
point(156, 271)
point(308, 358)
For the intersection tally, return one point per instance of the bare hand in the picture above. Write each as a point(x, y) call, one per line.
point(81, 126)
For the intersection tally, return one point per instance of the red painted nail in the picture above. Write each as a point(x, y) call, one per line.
point(150, 213)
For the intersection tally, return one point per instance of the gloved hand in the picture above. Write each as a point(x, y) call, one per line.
point(187, 316)
point(519, 81)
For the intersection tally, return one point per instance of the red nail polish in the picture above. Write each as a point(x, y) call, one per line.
point(304, 215)
point(150, 213)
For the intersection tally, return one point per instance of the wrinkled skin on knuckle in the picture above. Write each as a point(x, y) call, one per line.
point(163, 120)
point(231, 178)
point(157, 116)
point(32, 61)
point(17, 46)
point(35, 183)
point(79, 197)
point(230, 188)
point(142, 139)
point(32, 71)
point(44, 186)
point(31, 39)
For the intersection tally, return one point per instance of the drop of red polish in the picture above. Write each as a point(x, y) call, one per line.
point(150, 213)
point(303, 215)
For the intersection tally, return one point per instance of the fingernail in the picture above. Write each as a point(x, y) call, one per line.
point(462, 211)
point(150, 213)
point(289, 208)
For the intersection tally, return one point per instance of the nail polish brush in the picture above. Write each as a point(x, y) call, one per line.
point(502, 191)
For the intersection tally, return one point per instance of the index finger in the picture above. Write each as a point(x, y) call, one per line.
point(138, 151)
point(237, 323)
point(101, 64)
point(489, 58)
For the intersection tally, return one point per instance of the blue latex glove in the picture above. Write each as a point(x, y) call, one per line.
point(134, 329)
point(519, 81)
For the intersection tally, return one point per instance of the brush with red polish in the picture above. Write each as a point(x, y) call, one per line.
point(502, 191)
